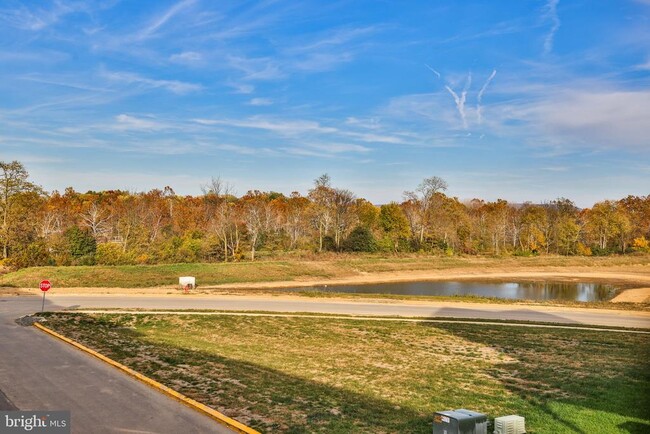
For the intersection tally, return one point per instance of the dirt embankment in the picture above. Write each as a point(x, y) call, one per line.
point(637, 280)
point(634, 295)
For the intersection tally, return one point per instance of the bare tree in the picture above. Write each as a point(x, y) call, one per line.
point(322, 196)
point(343, 203)
point(221, 214)
point(294, 217)
point(424, 196)
point(257, 218)
point(96, 219)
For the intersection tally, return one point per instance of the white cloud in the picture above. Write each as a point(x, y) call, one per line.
point(644, 66)
point(479, 98)
point(460, 100)
point(260, 68)
point(127, 122)
point(376, 138)
point(370, 123)
point(550, 13)
point(36, 19)
point(244, 150)
point(242, 88)
point(160, 21)
point(318, 62)
point(284, 127)
point(339, 148)
point(175, 86)
point(335, 38)
point(616, 119)
point(324, 150)
point(187, 57)
point(260, 101)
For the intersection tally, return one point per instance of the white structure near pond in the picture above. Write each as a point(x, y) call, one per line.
point(187, 281)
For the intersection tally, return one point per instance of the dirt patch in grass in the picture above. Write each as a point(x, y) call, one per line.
point(339, 376)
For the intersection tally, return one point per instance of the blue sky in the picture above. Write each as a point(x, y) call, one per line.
point(521, 100)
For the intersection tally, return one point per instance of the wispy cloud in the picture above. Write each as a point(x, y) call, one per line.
point(550, 14)
point(607, 118)
point(261, 68)
point(127, 122)
point(65, 82)
point(175, 86)
point(433, 70)
point(334, 38)
point(318, 62)
point(376, 138)
point(291, 127)
point(260, 102)
point(325, 150)
point(159, 21)
point(370, 123)
point(460, 100)
point(186, 57)
point(243, 88)
point(643, 66)
point(479, 98)
point(238, 149)
point(36, 19)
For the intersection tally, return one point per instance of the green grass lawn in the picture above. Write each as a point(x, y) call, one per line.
point(326, 375)
point(138, 276)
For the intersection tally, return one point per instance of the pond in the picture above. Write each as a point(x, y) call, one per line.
point(564, 291)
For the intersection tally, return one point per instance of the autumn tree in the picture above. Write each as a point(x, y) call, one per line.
point(344, 216)
point(423, 198)
point(497, 223)
point(294, 217)
point(222, 214)
point(13, 182)
point(606, 221)
point(367, 214)
point(532, 223)
point(394, 224)
point(322, 197)
point(257, 217)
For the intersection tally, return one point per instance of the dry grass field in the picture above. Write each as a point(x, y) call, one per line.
point(297, 375)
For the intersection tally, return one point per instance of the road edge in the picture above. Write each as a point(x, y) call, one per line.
point(189, 402)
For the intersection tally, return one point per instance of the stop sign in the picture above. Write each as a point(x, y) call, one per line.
point(45, 285)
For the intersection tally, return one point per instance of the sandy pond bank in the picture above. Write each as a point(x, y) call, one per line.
point(636, 281)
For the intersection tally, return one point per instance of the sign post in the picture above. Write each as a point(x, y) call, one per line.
point(45, 285)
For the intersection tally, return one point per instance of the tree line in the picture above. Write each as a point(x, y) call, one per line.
point(120, 227)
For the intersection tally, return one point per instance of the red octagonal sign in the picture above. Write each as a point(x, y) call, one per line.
point(45, 285)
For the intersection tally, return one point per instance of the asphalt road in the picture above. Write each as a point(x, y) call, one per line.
point(38, 372)
point(610, 318)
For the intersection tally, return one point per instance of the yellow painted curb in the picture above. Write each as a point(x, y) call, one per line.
point(214, 414)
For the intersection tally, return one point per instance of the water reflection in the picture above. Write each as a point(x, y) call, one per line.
point(568, 291)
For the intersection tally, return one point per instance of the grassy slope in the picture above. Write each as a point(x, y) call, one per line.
point(340, 376)
point(132, 276)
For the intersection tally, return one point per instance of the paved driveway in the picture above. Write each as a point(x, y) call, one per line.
point(38, 372)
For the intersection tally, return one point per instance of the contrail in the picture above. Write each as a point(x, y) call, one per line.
point(460, 100)
point(551, 13)
point(480, 96)
point(432, 70)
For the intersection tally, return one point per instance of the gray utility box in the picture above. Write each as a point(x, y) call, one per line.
point(459, 421)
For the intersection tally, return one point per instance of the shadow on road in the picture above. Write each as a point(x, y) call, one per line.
point(511, 315)
point(5, 403)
